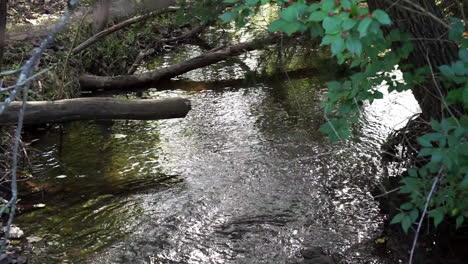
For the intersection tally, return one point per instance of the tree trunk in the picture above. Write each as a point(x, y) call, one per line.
point(101, 15)
point(3, 21)
point(96, 109)
point(91, 82)
point(431, 48)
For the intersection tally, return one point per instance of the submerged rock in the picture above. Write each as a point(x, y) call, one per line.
point(34, 239)
point(316, 255)
point(15, 232)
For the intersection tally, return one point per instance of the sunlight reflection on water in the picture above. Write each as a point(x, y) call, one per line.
point(247, 177)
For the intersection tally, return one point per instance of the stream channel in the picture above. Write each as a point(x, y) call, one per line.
point(245, 178)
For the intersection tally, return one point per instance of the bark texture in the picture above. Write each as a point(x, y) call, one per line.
point(96, 109)
point(3, 21)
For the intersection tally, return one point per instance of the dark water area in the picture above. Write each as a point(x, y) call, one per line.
point(245, 178)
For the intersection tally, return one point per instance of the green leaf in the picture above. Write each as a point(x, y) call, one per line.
point(277, 25)
point(447, 71)
point(230, 1)
point(463, 53)
point(412, 172)
point(378, 95)
point(292, 27)
point(435, 125)
point(458, 68)
point(317, 16)
point(414, 214)
point(455, 96)
point(251, 2)
point(394, 35)
point(289, 14)
point(425, 152)
point(331, 24)
point(316, 30)
point(438, 216)
point(337, 46)
point(382, 17)
point(313, 7)
point(456, 29)
point(465, 95)
point(397, 218)
point(406, 223)
point(346, 4)
point(349, 23)
point(229, 16)
point(364, 26)
point(328, 39)
point(407, 206)
point(459, 221)
point(464, 183)
point(437, 156)
point(334, 86)
point(328, 5)
point(423, 141)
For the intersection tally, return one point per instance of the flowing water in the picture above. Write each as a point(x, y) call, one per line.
point(245, 178)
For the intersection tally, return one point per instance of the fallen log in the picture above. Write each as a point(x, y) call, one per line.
point(92, 82)
point(150, 51)
point(96, 108)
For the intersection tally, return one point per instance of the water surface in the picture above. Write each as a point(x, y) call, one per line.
point(245, 178)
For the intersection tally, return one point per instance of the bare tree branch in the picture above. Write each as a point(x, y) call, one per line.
point(101, 35)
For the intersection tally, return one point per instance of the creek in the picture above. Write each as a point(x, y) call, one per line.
point(245, 178)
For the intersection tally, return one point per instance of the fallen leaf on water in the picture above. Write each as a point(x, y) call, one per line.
point(119, 136)
point(381, 240)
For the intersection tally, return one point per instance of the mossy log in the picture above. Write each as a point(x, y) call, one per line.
point(96, 109)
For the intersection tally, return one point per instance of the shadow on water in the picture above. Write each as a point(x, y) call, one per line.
point(85, 175)
point(245, 178)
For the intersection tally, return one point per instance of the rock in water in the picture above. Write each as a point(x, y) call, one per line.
point(15, 232)
point(316, 255)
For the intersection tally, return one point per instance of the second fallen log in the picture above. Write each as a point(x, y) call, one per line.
point(96, 109)
point(92, 83)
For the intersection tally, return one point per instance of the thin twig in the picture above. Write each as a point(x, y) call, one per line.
point(97, 37)
point(462, 10)
point(29, 79)
point(427, 13)
point(387, 192)
point(139, 59)
point(426, 205)
point(5, 73)
point(70, 51)
point(432, 40)
point(440, 91)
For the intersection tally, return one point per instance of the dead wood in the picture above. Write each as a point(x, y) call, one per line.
point(95, 109)
point(91, 82)
point(150, 50)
